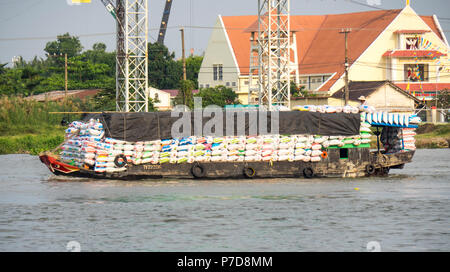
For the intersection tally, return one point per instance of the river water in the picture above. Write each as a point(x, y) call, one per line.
point(407, 211)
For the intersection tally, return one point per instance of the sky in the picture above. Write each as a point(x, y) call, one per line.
point(27, 25)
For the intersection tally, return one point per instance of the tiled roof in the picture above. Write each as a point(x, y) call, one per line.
point(364, 88)
point(320, 46)
point(424, 86)
point(59, 95)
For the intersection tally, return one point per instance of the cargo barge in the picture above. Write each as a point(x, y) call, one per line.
point(335, 146)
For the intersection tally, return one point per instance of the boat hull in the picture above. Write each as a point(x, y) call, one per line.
point(358, 162)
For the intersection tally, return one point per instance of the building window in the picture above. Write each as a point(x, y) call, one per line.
point(246, 82)
point(218, 72)
point(201, 86)
point(313, 80)
point(207, 86)
point(227, 84)
point(156, 97)
point(233, 84)
point(416, 72)
point(412, 43)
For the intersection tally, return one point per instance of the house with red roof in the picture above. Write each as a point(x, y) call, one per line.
point(399, 46)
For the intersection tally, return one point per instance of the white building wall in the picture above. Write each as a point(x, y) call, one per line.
point(218, 52)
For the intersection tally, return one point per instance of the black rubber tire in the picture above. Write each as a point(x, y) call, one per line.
point(370, 169)
point(124, 161)
point(249, 172)
point(308, 172)
point(198, 171)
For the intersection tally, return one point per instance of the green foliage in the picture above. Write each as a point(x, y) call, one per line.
point(92, 69)
point(193, 64)
point(298, 91)
point(163, 71)
point(219, 96)
point(185, 96)
point(24, 116)
point(33, 144)
point(64, 44)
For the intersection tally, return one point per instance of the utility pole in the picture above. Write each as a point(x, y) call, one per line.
point(183, 87)
point(65, 75)
point(346, 31)
point(183, 53)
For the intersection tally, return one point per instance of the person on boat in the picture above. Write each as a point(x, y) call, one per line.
point(362, 100)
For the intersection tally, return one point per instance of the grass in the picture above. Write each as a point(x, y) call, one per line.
point(433, 136)
point(26, 126)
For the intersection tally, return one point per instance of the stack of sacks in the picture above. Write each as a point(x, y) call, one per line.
point(202, 149)
point(184, 151)
point(218, 147)
point(168, 151)
point(151, 151)
point(117, 148)
point(73, 129)
point(104, 161)
point(80, 144)
point(128, 150)
point(92, 131)
point(71, 151)
point(236, 148)
point(269, 146)
point(316, 148)
point(138, 151)
point(286, 148)
point(302, 149)
point(253, 148)
point(336, 141)
point(408, 138)
point(365, 133)
point(334, 109)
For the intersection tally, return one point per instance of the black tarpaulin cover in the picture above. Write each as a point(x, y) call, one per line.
point(159, 125)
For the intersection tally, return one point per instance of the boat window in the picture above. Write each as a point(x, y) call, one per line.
point(343, 153)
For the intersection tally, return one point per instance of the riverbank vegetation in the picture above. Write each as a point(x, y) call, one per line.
point(433, 136)
point(28, 126)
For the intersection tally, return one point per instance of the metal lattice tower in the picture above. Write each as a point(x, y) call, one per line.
point(132, 52)
point(274, 53)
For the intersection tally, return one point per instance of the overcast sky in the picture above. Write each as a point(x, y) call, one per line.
point(27, 25)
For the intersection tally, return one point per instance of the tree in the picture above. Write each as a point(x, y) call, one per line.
point(297, 90)
point(2, 68)
point(184, 96)
point(64, 44)
point(163, 71)
point(219, 96)
point(193, 64)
